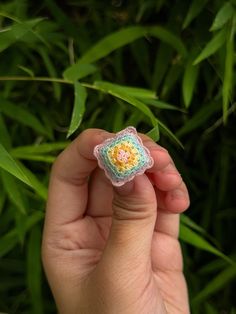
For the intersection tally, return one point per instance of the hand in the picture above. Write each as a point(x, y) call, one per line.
point(113, 250)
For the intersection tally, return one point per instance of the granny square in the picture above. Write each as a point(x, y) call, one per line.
point(123, 156)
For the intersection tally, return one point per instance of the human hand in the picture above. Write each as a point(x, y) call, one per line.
point(113, 250)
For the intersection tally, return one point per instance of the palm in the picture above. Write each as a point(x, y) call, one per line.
point(166, 258)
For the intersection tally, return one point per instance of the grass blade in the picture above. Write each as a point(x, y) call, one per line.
point(229, 71)
point(189, 82)
point(154, 133)
point(13, 190)
point(194, 10)
point(212, 46)
point(216, 284)
point(78, 108)
point(34, 270)
point(189, 236)
point(22, 115)
point(39, 149)
point(222, 16)
point(8, 164)
point(78, 71)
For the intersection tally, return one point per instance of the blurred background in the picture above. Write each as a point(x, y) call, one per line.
point(165, 67)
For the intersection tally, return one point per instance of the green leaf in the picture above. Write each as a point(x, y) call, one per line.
point(194, 10)
point(222, 16)
point(116, 91)
point(8, 164)
point(212, 46)
point(160, 104)
point(13, 190)
point(78, 108)
point(199, 118)
point(189, 236)
point(78, 71)
point(169, 133)
point(228, 81)
point(189, 82)
point(215, 284)
point(34, 270)
point(51, 71)
point(39, 148)
point(5, 138)
point(41, 158)
point(154, 133)
point(26, 70)
point(126, 36)
point(15, 32)
point(166, 36)
point(9, 240)
point(137, 92)
point(21, 115)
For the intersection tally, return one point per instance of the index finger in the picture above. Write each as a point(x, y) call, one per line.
point(68, 188)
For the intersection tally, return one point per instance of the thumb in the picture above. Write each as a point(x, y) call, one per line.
point(133, 221)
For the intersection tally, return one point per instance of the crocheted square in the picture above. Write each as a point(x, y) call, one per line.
point(123, 157)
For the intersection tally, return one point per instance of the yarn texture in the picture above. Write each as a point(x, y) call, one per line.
point(123, 157)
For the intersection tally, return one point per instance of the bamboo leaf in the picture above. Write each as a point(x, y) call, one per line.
point(13, 190)
point(78, 71)
point(39, 149)
point(222, 16)
point(21, 115)
point(212, 46)
point(154, 133)
point(8, 164)
point(126, 36)
point(215, 284)
point(34, 270)
point(229, 71)
point(114, 90)
point(189, 82)
point(189, 236)
point(78, 108)
point(194, 10)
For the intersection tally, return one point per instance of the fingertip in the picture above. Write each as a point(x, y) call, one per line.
point(177, 200)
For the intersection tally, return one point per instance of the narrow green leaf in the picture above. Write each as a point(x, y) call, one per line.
point(114, 90)
point(51, 71)
point(5, 138)
point(34, 270)
point(215, 284)
point(8, 164)
point(154, 133)
point(194, 10)
point(191, 224)
point(9, 240)
point(189, 82)
point(169, 133)
point(199, 118)
point(13, 190)
point(112, 42)
point(161, 104)
point(222, 16)
point(137, 92)
point(189, 236)
point(228, 74)
point(126, 36)
point(15, 32)
point(41, 158)
point(78, 108)
point(26, 70)
point(78, 71)
point(39, 148)
point(166, 36)
point(212, 46)
point(36, 184)
point(21, 115)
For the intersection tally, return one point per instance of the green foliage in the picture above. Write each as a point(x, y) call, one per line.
point(168, 68)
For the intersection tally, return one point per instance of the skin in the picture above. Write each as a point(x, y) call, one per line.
point(114, 250)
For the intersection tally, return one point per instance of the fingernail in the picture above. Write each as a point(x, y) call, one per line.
point(125, 189)
point(177, 194)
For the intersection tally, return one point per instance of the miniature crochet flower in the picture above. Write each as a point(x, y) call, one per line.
point(123, 157)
